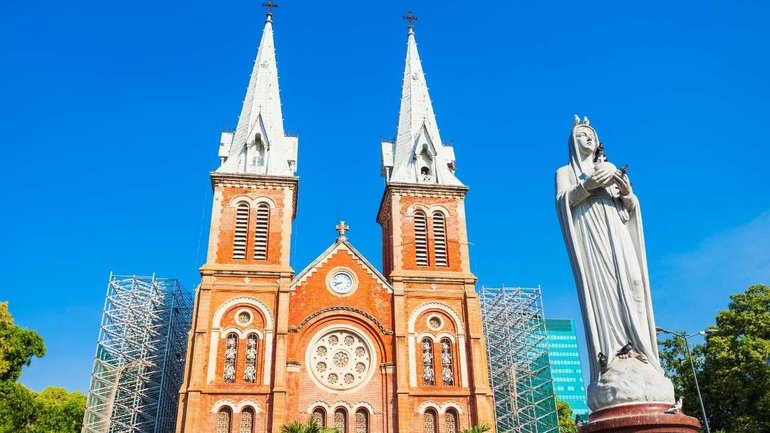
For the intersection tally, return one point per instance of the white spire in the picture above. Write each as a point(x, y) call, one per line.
point(418, 155)
point(259, 144)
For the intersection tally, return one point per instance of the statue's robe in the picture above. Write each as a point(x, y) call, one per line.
point(604, 238)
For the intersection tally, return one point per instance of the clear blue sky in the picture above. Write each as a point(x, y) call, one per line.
point(111, 114)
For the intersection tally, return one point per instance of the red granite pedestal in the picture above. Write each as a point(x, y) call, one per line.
point(639, 418)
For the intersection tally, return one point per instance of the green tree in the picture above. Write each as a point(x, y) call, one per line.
point(311, 426)
point(54, 410)
point(57, 410)
point(566, 419)
point(732, 366)
point(17, 346)
point(477, 429)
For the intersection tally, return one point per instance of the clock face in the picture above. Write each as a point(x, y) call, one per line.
point(341, 282)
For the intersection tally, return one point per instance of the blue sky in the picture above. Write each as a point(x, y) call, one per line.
point(111, 114)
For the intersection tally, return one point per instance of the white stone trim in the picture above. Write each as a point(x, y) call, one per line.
point(443, 335)
point(362, 404)
point(253, 202)
point(454, 405)
point(428, 404)
point(412, 340)
point(437, 306)
point(222, 403)
point(215, 331)
point(254, 405)
point(245, 300)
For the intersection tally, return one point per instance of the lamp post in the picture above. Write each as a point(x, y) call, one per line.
point(685, 337)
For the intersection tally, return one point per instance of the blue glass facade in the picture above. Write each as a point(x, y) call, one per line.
point(565, 365)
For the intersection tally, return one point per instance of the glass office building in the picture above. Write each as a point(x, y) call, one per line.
point(565, 365)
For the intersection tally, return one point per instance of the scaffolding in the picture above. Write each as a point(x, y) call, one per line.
point(140, 353)
point(519, 367)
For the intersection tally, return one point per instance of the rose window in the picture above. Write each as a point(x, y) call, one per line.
point(340, 360)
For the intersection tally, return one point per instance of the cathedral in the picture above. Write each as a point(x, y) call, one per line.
point(361, 349)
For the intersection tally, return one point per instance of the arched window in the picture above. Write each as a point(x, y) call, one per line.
point(447, 371)
point(247, 421)
point(224, 419)
point(341, 420)
point(261, 231)
point(231, 354)
point(428, 375)
point(420, 238)
point(241, 230)
point(319, 416)
point(430, 421)
point(250, 366)
point(362, 421)
point(451, 420)
point(439, 239)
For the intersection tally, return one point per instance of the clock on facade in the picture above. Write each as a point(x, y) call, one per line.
point(341, 282)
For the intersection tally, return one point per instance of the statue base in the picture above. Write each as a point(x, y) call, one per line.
point(639, 418)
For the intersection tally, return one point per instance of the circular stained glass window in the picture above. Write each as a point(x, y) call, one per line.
point(340, 366)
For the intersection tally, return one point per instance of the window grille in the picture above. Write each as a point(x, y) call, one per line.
point(428, 375)
point(362, 421)
point(250, 367)
point(261, 232)
point(450, 422)
point(439, 239)
point(340, 420)
point(319, 416)
point(429, 422)
point(223, 421)
point(241, 231)
point(231, 354)
point(447, 372)
point(247, 421)
point(420, 238)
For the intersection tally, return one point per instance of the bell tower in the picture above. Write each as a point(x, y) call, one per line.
point(426, 259)
point(235, 365)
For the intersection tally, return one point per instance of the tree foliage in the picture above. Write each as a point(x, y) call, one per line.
point(481, 428)
point(17, 346)
point(732, 366)
point(53, 410)
point(566, 418)
point(311, 426)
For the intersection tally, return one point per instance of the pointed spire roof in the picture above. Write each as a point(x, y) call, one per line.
point(418, 154)
point(259, 144)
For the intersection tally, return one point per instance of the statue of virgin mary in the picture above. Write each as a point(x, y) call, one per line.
point(602, 226)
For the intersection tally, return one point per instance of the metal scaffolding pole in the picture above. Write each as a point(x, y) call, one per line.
point(517, 352)
point(139, 356)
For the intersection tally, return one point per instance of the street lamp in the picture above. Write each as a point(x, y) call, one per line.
point(685, 336)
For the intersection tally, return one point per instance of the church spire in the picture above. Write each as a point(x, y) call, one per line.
point(418, 155)
point(259, 144)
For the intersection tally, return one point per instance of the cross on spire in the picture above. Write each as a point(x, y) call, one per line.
point(341, 229)
point(270, 5)
point(411, 18)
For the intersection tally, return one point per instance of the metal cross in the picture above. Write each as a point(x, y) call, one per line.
point(411, 18)
point(341, 229)
point(270, 5)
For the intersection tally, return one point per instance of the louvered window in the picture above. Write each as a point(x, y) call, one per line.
point(439, 238)
point(241, 231)
point(420, 238)
point(260, 232)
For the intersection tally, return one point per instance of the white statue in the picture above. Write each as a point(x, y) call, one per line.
point(602, 227)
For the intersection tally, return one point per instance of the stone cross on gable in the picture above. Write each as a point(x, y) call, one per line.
point(341, 229)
